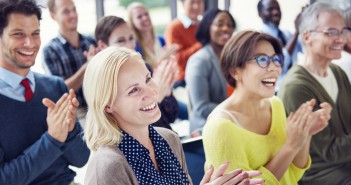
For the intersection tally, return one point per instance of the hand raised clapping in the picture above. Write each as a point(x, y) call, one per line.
point(61, 117)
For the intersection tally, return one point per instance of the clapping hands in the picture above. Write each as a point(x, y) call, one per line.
point(61, 117)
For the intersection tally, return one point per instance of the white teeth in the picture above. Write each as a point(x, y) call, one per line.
point(225, 36)
point(269, 80)
point(26, 52)
point(149, 107)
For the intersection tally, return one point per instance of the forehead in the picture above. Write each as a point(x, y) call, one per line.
point(330, 20)
point(270, 4)
point(193, 1)
point(121, 30)
point(131, 72)
point(221, 16)
point(62, 4)
point(264, 46)
point(139, 9)
point(22, 22)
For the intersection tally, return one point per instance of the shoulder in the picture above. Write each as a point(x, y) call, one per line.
point(51, 83)
point(203, 55)
point(89, 39)
point(297, 76)
point(108, 159)
point(175, 24)
point(167, 134)
point(108, 165)
point(53, 44)
point(43, 78)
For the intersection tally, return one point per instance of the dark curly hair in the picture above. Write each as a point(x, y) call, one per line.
point(25, 7)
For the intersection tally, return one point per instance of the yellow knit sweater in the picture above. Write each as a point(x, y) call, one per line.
point(225, 141)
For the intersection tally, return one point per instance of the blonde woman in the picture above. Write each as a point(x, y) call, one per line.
point(122, 103)
point(151, 47)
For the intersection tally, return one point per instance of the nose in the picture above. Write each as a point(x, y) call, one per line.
point(151, 90)
point(28, 41)
point(271, 66)
point(130, 44)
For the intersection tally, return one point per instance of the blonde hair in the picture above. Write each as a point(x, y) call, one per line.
point(148, 55)
point(100, 90)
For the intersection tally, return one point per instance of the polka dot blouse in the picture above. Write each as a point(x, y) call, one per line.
point(171, 172)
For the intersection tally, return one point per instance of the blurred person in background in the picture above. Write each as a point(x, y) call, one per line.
point(206, 84)
point(345, 61)
point(181, 31)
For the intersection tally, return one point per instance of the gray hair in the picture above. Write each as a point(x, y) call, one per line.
point(347, 16)
point(309, 17)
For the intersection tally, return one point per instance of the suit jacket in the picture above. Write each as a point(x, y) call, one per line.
point(109, 166)
point(206, 85)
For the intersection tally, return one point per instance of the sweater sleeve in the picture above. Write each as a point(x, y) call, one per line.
point(197, 80)
point(34, 160)
point(327, 144)
point(175, 36)
point(75, 149)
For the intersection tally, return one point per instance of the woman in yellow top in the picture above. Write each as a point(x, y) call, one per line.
point(250, 129)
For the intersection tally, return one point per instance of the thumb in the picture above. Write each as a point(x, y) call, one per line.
point(48, 103)
point(207, 176)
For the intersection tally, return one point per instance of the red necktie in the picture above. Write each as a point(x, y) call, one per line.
point(28, 93)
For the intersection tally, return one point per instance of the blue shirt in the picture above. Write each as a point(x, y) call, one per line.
point(289, 60)
point(10, 84)
point(171, 172)
point(64, 60)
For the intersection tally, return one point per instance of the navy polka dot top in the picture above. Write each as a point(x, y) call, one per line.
point(171, 172)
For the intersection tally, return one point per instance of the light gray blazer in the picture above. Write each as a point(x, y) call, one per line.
point(108, 165)
point(205, 84)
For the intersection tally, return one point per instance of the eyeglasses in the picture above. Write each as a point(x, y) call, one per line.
point(334, 33)
point(263, 60)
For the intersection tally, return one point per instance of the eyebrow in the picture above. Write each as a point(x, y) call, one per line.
point(137, 83)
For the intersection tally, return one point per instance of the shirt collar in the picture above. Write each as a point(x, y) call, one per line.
point(63, 40)
point(185, 20)
point(12, 79)
point(270, 29)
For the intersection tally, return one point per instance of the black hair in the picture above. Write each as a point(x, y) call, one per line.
point(203, 31)
point(25, 7)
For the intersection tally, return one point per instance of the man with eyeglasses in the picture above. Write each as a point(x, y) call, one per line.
point(324, 34)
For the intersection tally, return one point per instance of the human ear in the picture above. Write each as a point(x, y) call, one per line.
point(101, 44)
point(236, 74)
point(108, 109)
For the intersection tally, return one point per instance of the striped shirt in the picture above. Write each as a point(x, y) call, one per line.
point(62, 59)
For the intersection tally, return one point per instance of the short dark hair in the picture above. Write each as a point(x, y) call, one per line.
point(105, 26)
point(259, 6)
point(240, 48)
point(203, 31)
point(25, 7)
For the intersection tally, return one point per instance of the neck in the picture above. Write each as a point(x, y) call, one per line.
point(316, 65)
point(140, 133)
point(71, 36)
point(217, 49)
point(13, 69)
point(243, 102)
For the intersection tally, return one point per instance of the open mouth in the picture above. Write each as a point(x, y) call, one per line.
point(149, 107)
point(27, 53)
point(270, 82)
